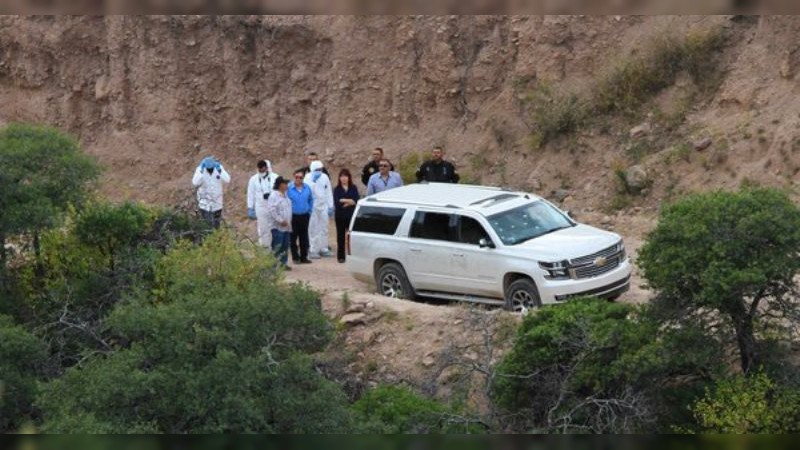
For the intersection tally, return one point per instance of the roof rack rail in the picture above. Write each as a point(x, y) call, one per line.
point(435, 205)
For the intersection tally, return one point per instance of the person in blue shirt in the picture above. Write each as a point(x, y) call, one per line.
point(302, 203)
point(385, 179)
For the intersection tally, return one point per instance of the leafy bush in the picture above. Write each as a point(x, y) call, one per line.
point(633, 80)
point(629, 82)
point(555, 113)
point(110, 227)
point(754, 404)
point(734, 253)
point(44, 171)
point(217, 347)
point(22, 358)
point(396, 409)
point(591, 365)
point(408, 165)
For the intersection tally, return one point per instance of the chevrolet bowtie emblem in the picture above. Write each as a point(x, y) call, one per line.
point(600, 261)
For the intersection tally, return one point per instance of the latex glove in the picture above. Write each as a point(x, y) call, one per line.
point(217, 166)
point(251, 213)
point(316, 175)
point(330, 212)
point(207, 163)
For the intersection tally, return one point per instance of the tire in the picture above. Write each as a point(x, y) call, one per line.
point(521, 293)
point(393, 282)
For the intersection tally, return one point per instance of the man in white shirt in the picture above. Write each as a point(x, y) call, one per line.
point(322, 211)
point(258, 191)
point(209, 179)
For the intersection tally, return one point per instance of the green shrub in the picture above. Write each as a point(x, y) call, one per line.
point(110, 228)
point(397, 409)
point(754, 404)
point(22, 357)
point(633, 80)
point(734, 253)
point(628, 83)
point(44, 171)
point(218, 346)
point(590, 365)
point(555, 113)
point(408, 165)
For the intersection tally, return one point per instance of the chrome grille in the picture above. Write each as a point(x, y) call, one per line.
point(589, 259)
point(593, 270)
point(586, 266)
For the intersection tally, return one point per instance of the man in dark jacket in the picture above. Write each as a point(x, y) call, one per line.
point(372, 166)
point(437, 170)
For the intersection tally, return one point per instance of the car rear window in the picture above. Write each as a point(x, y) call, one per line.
point(378, 220)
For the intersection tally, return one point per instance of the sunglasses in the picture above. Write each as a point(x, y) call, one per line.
point(383, 165)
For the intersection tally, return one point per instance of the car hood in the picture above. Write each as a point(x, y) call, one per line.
point(569, 243)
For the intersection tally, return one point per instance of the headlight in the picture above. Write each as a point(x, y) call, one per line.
point(556, 270)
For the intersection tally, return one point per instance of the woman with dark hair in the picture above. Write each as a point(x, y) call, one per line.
point(345, 196)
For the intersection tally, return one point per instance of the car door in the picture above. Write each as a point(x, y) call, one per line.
point(430, 251)
point(479, 270)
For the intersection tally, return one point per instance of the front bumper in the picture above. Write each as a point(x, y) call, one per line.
point(608, 285)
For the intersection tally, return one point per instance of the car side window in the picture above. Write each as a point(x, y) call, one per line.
point(471, 231)
point(371, 219)
point(436, 226)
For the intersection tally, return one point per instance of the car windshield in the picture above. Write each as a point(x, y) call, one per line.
point(528, 222)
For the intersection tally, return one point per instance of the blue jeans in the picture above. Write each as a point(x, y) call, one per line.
point(280, 245)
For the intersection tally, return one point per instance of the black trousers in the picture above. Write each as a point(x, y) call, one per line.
point(300, 236)
point(341, 229)
point(213, 218)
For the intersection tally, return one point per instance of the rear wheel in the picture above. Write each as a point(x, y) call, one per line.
point(392, 282)
point(522, 294)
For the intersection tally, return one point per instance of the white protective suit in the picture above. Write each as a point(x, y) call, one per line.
point(259, 185)
point(323, 203)
point(209, 187)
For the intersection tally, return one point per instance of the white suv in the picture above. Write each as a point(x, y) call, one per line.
point(481, 244)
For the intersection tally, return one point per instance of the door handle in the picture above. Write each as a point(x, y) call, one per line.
point(416, 250)
point(459, 255)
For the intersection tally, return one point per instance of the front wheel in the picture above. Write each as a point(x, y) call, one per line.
point(522, 295)
point(392, 282)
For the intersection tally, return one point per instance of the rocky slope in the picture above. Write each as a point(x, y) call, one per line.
point(150, 95)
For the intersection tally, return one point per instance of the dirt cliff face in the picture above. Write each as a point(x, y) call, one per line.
point(151, 95)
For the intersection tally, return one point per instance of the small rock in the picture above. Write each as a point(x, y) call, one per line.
point(355, 308)
point(534, 184)
point(560, 194)
point(636, 177)
point(353, 319)
point(428, 360)
point(102, 88)
point(606, 220)
point(702, 144)
point(458, 322)
point(639, 131)
point(370, 304)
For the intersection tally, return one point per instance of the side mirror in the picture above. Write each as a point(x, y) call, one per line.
point(486, 243)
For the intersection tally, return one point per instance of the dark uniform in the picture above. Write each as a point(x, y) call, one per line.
point(441, 172)
point(370, 169)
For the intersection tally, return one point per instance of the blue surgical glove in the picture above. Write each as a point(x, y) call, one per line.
point(330, 212)
point(207, 163)
point(251, 213)
point(316, 175)
point(217, 166)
